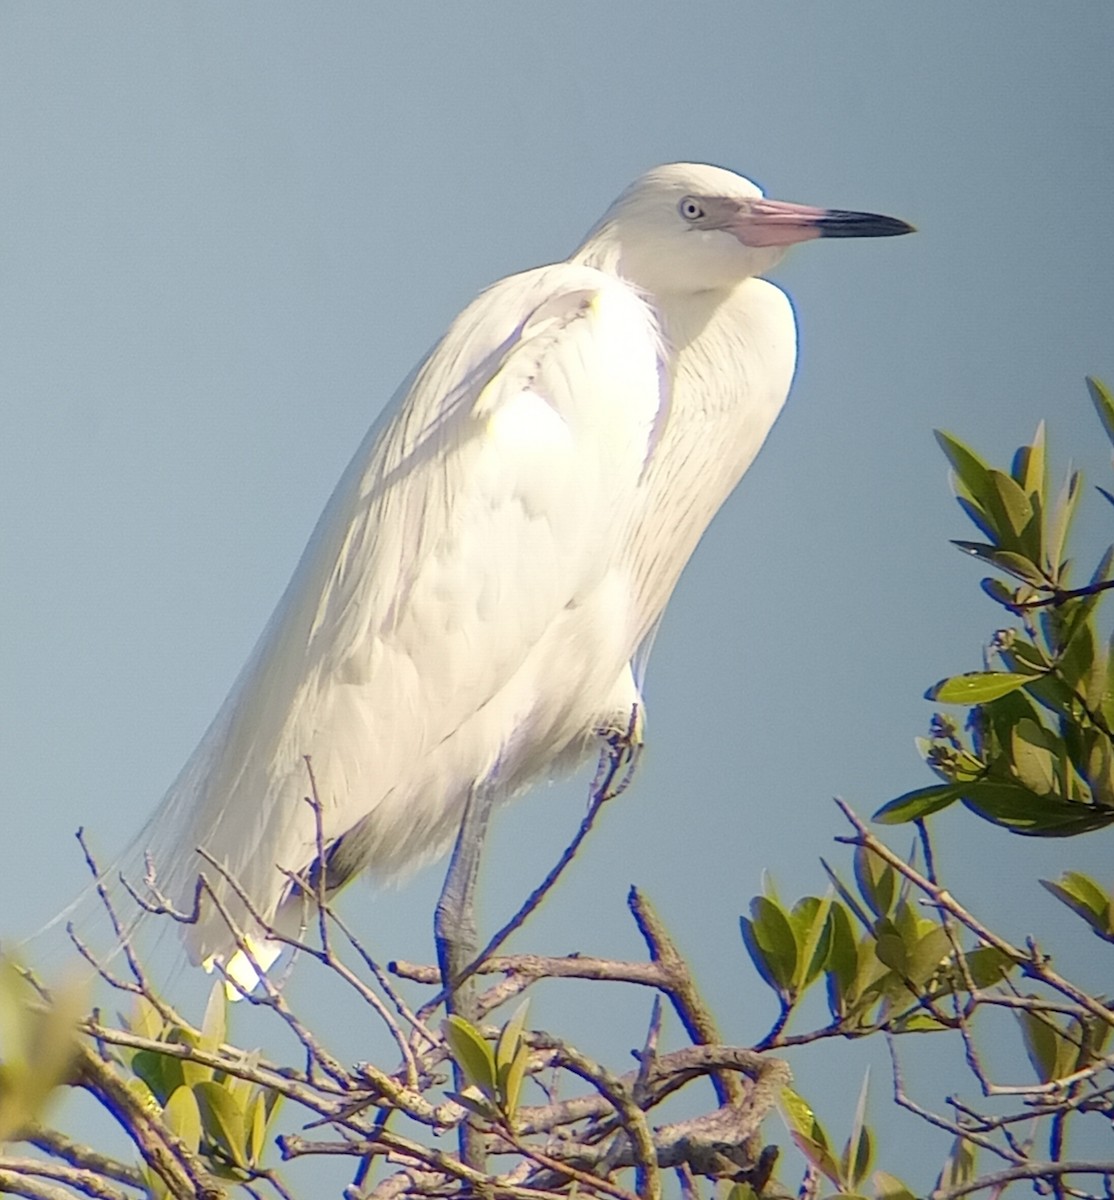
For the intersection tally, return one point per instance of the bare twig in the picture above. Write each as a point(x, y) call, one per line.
point(1028, 1170)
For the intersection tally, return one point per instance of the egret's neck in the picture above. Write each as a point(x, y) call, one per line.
point(685, 316)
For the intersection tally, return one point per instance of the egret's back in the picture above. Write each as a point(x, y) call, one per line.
point(459, 615)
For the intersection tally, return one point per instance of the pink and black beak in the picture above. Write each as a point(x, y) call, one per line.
point(765, 222)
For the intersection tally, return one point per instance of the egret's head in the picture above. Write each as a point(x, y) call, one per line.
point(688, 227)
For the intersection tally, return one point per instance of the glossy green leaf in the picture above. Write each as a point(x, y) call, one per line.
point(183, 1117)
point(1103, 400)
point(918, 804)
point(982, 522)
point(1029, 464)
point(511, 1077)
point(1017, 809)
point(223, 1119)
point(473, 1055)
point(1001, 593)
point(160, 1072)
point(146, 1020)
point(214, 1026)
point(809, 920)
point(769, 939)
point(1006, 560)
point(857, 1153)
point(889, 1187)
point(972, 474)
point(506, 1049)
point(977, 687)
point(1060, 520)
point(842, 961)
point(877, 881)
point(1018, 510)
point(987, 965)
point(1036, 752)
point(959, 1166)
point(808, 1133)
point(890, 947)
point(259, 1117)
point(1044, 1044)
point(930, 951)
point(486, 1110)
point(1085, 898)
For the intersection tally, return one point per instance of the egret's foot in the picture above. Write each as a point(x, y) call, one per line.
point(623, 742)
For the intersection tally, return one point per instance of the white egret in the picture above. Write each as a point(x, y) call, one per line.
point(474, 607)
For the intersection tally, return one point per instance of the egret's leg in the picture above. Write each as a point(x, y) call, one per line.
point(454, 930)
point(454, 924)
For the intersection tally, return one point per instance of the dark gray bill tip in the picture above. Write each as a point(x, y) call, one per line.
point(837, 222)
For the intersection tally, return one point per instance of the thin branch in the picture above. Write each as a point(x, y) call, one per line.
point(57, 1144)
point(1028, 1170)
point(90, 1183)
point(1031, 962)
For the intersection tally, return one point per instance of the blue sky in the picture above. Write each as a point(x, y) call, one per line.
point(229, 231)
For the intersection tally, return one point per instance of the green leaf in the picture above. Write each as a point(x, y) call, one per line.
point(1086, 899)
point(506, 1049)
point(1103, 401)
point(988, 965)
point(889, 1187)
point(770, 941)
point(877, 881)
point(812, 931)
point(510, 1081)
point(486, 1110)
point(1042, 1043)
point(977, 687)
point(223, 1119)
point(258, 1119)
point(918, 804)
point(843, 959)
point(1060, 520)
point(183, 1117)
point(214, 1026)
point(1015, 808)
point(1029, 464)
point(890, 947)
point(1000, 593)
point(1036, 752)
point(959, 1166)
point(473, 1055)
point(857, 1153)
point(146, 1020)
point(1017, 507)
point(1009, 561)
point(930, 951)
point(808, 1133)
point(160, 1072)
point(972, 474)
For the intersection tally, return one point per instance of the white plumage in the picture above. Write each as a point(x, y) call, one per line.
point(469, 607)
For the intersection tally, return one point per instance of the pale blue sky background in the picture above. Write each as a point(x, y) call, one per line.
point(228, 231)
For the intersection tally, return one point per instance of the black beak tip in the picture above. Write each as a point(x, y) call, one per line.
point(839, 223)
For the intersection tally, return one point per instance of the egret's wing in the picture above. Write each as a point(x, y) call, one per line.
point(481, 514)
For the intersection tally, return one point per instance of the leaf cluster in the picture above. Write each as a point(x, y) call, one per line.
point(1037, 754)
point(883, 962)
point(222, 1117)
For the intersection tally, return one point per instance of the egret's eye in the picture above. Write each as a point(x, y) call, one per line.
point(690, 209)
